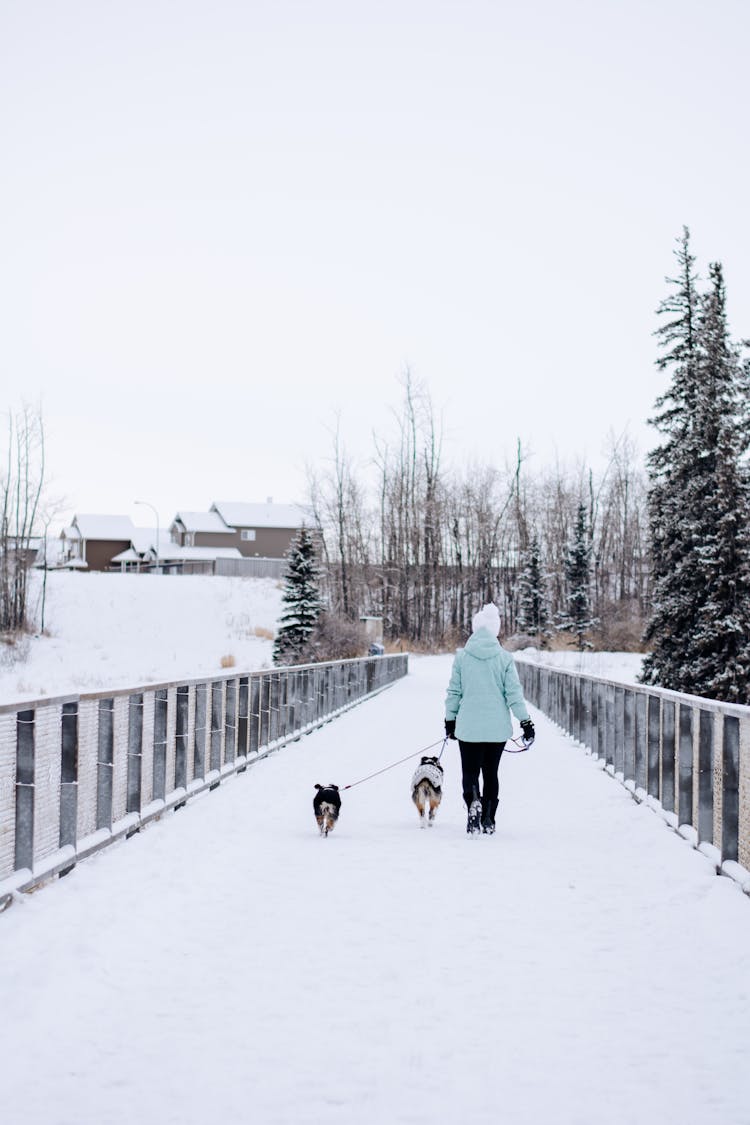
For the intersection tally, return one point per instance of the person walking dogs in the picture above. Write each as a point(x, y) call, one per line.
point(483, 690)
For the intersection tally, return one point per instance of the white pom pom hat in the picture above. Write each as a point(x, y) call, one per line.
point(487, 618)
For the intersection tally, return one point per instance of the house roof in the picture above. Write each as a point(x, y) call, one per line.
point(238, 514)
point(203, 521)
point(128, 555)
point(105, 527)
point(144, 538)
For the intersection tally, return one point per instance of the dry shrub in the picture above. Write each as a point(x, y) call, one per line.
point(338, 638)
point(228, 661)
point(621, 628)
point(264, 634)
point(518, 641)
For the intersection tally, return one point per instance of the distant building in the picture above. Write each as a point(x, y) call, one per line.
point(261, 530)
point(92, 541)
point(174, 559)
point(232, 538)
point(201, 529)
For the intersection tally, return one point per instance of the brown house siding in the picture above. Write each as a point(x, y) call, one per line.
point(211, 539)
point(100, 552)
point(269, 542)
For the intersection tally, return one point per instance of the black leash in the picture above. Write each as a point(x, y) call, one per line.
point(521, 743)
point(385, 769)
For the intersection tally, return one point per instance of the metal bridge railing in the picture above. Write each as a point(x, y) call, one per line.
point(690, 755)
point(80, 771)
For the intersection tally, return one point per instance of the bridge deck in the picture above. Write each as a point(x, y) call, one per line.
point(583, 965)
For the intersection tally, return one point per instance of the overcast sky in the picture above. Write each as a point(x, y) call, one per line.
point(224, 221)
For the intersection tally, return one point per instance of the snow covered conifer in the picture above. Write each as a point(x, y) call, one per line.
point(578, 619)
point(670, 468)
point(699, 505)
point(720, 645)
point(301, 600)
point(533, 606)
point(699, 502)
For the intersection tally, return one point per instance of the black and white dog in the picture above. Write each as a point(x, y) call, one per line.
point(427, 789)
point(326, 804)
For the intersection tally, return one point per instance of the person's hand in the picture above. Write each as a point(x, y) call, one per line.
point(450, 728)
point(528, 730)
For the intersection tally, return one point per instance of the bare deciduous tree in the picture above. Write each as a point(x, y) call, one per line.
point(20, 493)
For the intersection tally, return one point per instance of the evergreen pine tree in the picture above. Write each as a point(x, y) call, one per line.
point(670, 467)
point(533, 606)
point(720, 645)
point(578, 619)
point(301, 599)
point(700, 497)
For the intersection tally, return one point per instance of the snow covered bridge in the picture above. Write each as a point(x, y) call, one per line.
point(583, 965)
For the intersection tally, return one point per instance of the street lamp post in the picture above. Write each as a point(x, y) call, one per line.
point(153, 509)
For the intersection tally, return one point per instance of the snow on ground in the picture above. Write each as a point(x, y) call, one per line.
point(622, 667)
point(585, 965)
point(121, 630)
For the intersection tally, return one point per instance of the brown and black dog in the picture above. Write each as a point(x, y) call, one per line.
point(326, 804)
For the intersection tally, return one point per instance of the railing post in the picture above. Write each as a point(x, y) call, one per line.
point(265, 709)
point(628, 734)
point(594, 705)
point(242, 718)
point(69, 776)
point(135, 751)
point(667, 792)
point(182, 718)
point(230, 720)
point(706, 777)
point(217, 725)
point(618, 756)
point(730, 807)
point(610, 735)
point(601, 720)
point(105, 764)
point(160, 745)
point(641, 741)
point(25, 770)
point(685, 768)
point(200, 731)
point(654, 746)
point(273, 706)
point(254, 715)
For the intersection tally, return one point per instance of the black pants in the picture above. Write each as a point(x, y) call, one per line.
point(484, 756)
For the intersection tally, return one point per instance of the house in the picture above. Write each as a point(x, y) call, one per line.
point(173, 558)
point(193, 560)
point(261, 530)
point(201, 529)
point(92, 541)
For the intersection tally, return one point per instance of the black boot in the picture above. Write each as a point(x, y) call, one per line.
point(474, 820)
point(489, 808)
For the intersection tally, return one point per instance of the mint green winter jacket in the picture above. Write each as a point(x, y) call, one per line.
point(484, 688)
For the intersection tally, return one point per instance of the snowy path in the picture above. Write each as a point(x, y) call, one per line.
point(582, 966)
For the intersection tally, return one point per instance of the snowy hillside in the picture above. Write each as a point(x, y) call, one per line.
point(119, 630)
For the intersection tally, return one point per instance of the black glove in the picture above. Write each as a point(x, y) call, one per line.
point(528, 730)
point(450, 728)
